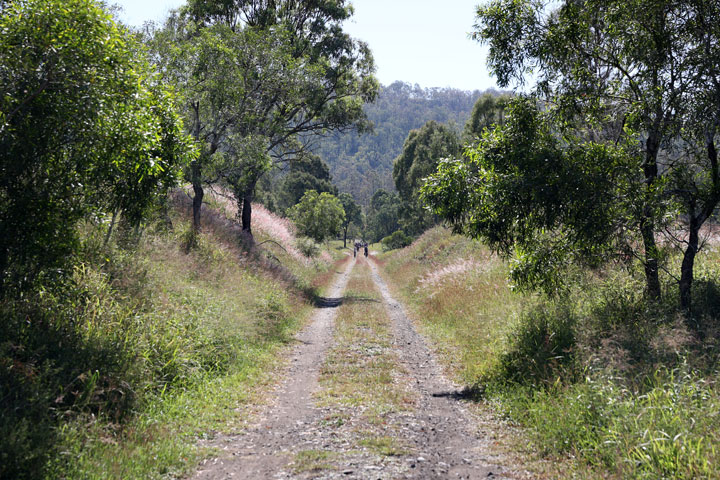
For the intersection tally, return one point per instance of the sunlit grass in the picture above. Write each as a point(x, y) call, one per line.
point(460, 293)
point(361, 367)
point(605, 384)
point(312, 461)
point(190, 339)
point(384, 445)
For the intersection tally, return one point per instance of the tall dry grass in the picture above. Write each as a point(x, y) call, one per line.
point(459, 291)
point(617, 386)
point(149, 348)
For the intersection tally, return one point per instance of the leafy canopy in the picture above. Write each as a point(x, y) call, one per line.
point(541, 199)
point(633, 86)
point(318, 215)
point(85, 128)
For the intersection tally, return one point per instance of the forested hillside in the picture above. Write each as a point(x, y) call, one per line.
point(179, 206)
point(361, 164)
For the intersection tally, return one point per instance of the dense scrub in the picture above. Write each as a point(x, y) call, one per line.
point(114, 373)
point(625, 386)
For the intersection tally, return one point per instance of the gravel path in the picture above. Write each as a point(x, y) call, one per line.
point(263, 451)
point(436, 428)
point(443, 430)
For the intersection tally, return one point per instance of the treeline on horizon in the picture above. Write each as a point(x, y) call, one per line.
point(361, 164)
point(427, 123)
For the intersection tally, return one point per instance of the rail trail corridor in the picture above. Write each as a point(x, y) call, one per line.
point(362, 398)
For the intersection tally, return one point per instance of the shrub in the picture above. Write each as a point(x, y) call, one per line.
point(307, 247)
point(396, 240)
point(541, 347)
point(318, 216)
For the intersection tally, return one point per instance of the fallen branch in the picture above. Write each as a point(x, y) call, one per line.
point(272, 241)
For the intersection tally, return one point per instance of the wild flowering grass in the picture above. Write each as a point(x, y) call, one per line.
point(459, 292)
point(149, 347)
point(459, 272)
point(625, 388)
point(269, 226)
point(265, 223)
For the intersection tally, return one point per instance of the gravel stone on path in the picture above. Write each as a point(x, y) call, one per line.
point(437, 431)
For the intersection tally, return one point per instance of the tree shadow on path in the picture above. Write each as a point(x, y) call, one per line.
point(335, 302)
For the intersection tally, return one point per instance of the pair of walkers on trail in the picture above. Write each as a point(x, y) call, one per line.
point(358, 246)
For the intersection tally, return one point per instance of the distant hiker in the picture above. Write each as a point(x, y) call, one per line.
point(366, 249)
point(355, 251)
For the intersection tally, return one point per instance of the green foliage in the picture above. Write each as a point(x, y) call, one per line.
point(292, 73)
point(541, 347)
point(85, 129)
point(100, 379)
point(308, 247)
point(605, 382)
point(383, 216)
point(488, 111)
point(396, 240)
point(546, 203)
point(362, 164)
point(669, 122)
point(306, 173)
point(422, 151)
point(294, 186)
point(353, 214)
point(318, 215)
point(664, 429)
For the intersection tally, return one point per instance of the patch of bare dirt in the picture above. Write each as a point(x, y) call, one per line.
point(443, 431)
point(263, 450)
point(298, 436)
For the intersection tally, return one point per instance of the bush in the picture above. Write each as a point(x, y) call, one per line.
point(541, 347)
point(308, 247)
point(396, 240)
point(318, 216)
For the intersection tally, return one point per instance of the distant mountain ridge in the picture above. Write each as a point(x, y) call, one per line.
point(361, 164)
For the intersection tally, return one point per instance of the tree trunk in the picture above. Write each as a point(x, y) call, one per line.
point(196, 173)
point(696, 222)
point(647, 223)
point(110, 228)
point(246, 214)
point(652, 278)
point(345, 236)
point(688, 263)
point(199, 194)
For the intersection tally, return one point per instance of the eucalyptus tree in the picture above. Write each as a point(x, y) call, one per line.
point(638, 74)
point(308, 172)
point(383, 215)
point(543, 200)
point(488, 110)
point(353, 214)
point(308, 78)
point(85, 129)
point(318, 215)
point(422, 150)
point(208, 67)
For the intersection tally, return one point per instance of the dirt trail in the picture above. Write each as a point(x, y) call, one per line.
point(444, 432)
point(435, 430)
point(263, 451)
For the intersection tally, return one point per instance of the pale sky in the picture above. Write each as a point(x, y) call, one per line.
point(416, 41)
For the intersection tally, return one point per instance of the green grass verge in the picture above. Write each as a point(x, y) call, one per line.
point(604, 383)
point(123, 371)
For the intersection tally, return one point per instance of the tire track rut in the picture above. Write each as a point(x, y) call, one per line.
point(440, 434)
